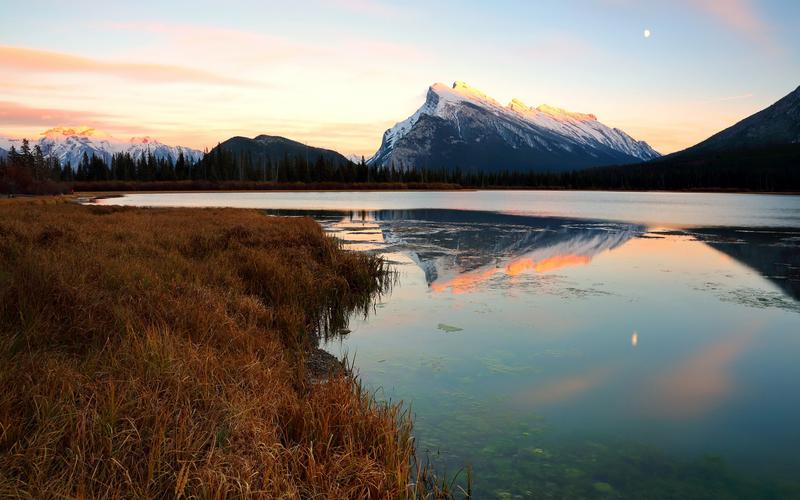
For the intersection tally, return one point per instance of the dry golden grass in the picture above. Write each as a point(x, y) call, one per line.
point(158, 353)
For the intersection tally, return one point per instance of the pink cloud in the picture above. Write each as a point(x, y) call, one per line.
point(564, 389)
point(12, 113)
point(21, 116)
point(701, 382)
point(740, 15)
point(41, 61)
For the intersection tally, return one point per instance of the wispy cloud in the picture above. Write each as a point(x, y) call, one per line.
point(13, 113)
point(34, 120)
point(701, 382)
point(21, 59)
point(564, 389)
point(740, 15)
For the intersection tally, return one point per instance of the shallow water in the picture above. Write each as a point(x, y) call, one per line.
point(574, 346)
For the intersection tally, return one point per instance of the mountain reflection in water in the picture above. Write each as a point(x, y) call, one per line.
point(459, 250)
point(554, 354)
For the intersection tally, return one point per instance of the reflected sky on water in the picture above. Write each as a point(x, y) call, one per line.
point(519, 337)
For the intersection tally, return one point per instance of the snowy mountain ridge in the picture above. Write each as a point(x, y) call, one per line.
point(455, 120)
point(68, 144)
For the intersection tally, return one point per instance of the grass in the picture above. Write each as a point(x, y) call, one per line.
point(160, 353)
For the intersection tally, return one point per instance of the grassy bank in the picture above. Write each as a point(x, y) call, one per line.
point(159, 353)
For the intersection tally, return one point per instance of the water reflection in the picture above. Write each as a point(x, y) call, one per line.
point(774, 253)
point(460, 250)
point(517, 341)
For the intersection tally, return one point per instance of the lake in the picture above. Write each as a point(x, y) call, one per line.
point(579, 344)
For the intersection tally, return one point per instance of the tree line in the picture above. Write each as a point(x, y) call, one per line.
point(29, 170)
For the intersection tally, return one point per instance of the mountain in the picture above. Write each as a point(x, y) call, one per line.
point(460, 126)
point(270, 147)
point(68, 145)
point(776, 125)
point(759, 153)
point(3, 154)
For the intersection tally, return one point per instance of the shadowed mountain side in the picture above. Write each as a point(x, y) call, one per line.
point(759, 153)
point(774, 254)
point(275, 148)
point(776, 125)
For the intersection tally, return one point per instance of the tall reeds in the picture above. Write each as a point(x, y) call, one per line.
point(159, 353)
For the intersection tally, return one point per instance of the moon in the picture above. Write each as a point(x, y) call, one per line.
point(647, 33)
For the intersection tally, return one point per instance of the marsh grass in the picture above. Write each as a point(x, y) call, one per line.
point(159, 353)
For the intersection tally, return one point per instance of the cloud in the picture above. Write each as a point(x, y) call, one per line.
point(740, 15)
point(30, 118)
point(564, 389)
point(12, 113)
point(701, 382)
point(41, 61)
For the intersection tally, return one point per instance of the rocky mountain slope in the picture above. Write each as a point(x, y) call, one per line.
point(460, 126)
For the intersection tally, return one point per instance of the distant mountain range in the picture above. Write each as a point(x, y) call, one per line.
point(460, 126)
point(68, 144)
point(275, 148)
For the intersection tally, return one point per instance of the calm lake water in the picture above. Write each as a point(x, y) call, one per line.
point(580, 344)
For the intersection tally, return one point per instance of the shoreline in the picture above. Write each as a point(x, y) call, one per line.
point(117, 194)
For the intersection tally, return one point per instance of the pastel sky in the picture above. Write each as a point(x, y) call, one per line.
point(337, 73)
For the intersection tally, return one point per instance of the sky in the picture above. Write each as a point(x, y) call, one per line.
point(338, 73)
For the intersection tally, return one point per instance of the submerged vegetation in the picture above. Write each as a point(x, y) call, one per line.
point(150, 353)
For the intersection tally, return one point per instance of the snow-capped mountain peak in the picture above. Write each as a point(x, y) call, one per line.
point(69, 143)
point(460, 125)
point(461, 91)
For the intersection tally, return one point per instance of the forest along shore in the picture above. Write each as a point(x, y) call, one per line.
point(161, 352)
